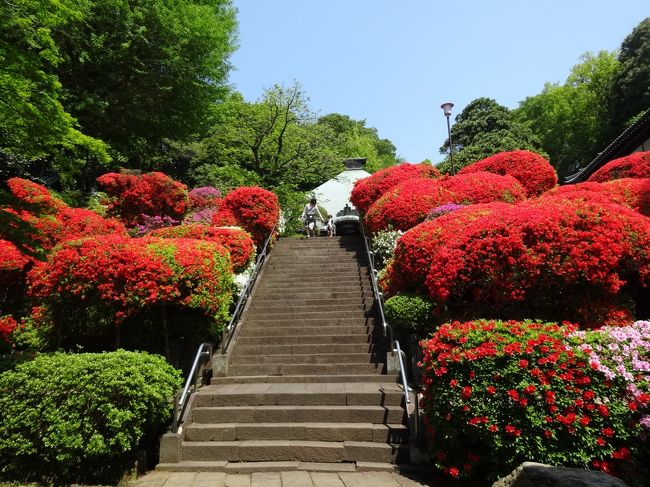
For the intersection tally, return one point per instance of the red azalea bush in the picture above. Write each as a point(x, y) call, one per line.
point(150, 194)
point(254, 209)
point(631, 192)
point(484, 187)
point(40, 221)
point(12, 260)
point(500, 393)
point(7, 325)
point(119, 276)
point(416, 249)
point(33, 197)
point(636, 165)
point(368, 190)
point(238, 242)
point(406, 204)
point(533, 171)
point(538, 256)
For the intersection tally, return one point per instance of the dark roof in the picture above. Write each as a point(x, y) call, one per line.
point(623, 145)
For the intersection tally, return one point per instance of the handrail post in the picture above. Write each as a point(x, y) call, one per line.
point(388, 330)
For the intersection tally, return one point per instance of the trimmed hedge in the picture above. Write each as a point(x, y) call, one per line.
point(81, 417)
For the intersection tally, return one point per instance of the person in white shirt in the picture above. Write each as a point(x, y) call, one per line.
point(331, 228)
point(309, 218)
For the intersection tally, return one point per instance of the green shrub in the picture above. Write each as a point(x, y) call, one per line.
point(408, 312)
point(81, 417)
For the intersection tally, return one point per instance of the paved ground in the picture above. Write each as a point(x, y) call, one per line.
point(278, 479)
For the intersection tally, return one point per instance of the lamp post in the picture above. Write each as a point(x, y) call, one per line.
point(446, 107)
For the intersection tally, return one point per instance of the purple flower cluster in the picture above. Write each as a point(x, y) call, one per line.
point(442, 210)
point(204, 197)
point(150, 223)
point(622, 352)
point(201, 217)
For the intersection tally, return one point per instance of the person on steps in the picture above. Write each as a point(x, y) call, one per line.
point(331, 228)
point(309, 218)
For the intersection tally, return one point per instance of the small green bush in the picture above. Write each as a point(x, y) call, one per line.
point(408, 312)
point(81, 417)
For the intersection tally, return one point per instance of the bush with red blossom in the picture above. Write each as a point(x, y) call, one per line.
point(204, 197)
point(368, 190)
point(500, 393)
point(636, 165)
point(484, 187)
point(238, 242)
point(407, 204)
point(255, 209)
point(7, 325)
point(533, 171)
point(150, 194)
point(537, 257)
point(88, 283)
point(33, 197)
point(631, 192)
point(417, 248)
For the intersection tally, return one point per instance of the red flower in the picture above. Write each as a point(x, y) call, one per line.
point(600, 441)
point(603, 410)
point(466, 392)
point(514, 395)
point(368, 190)
point(491, 389)
point(636, 165)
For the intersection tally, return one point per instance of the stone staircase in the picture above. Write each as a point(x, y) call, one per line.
point(306, 385)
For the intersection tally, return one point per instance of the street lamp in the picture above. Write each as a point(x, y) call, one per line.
point(446, 107)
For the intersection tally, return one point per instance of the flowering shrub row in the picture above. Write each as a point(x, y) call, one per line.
point(7, 325)
point(499, 393)
point(254, 209)
point(631, 192)
point(368, 190)
point(526, 258)
point(533, 171)
point(150, 194)
point(238, 242)
point(412, 201)
point(636, 165)
point(33, 197)
point(120, 276)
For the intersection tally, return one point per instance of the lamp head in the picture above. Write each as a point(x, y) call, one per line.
point(446, 107)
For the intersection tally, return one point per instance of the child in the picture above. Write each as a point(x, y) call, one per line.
point(331, 228)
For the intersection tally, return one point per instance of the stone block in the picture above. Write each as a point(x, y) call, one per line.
point(531, 474)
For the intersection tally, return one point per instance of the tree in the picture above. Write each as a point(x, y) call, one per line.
point(275, 138)
point(33, 121)
point(354, 139)
point(138, 72)
point(630, 94)
point(485, 128)
point(571, 119)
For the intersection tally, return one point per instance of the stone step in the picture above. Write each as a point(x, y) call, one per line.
point(295, 349)
point(289, 304)
point(299, 414)
point(260, 337)
point(259, 379)
point(313, 280)
point(306, 312)
point(305, 331)
point(292, 450)
point(296, 473)
point(299, 320)
point(306, 293)
point(312, 298)
point(306, 369)
point(322, 268)
point(386, 433)
point(307, 359)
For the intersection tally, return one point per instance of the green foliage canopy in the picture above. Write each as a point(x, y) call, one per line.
point(571, 119)
point(33, 121)
point(138, 72)
point(485, 128)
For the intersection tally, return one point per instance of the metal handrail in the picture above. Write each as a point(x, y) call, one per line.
point(388, 330)
point(228, 332)
point(203, 354)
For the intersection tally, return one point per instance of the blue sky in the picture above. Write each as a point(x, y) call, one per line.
point(394, 62)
